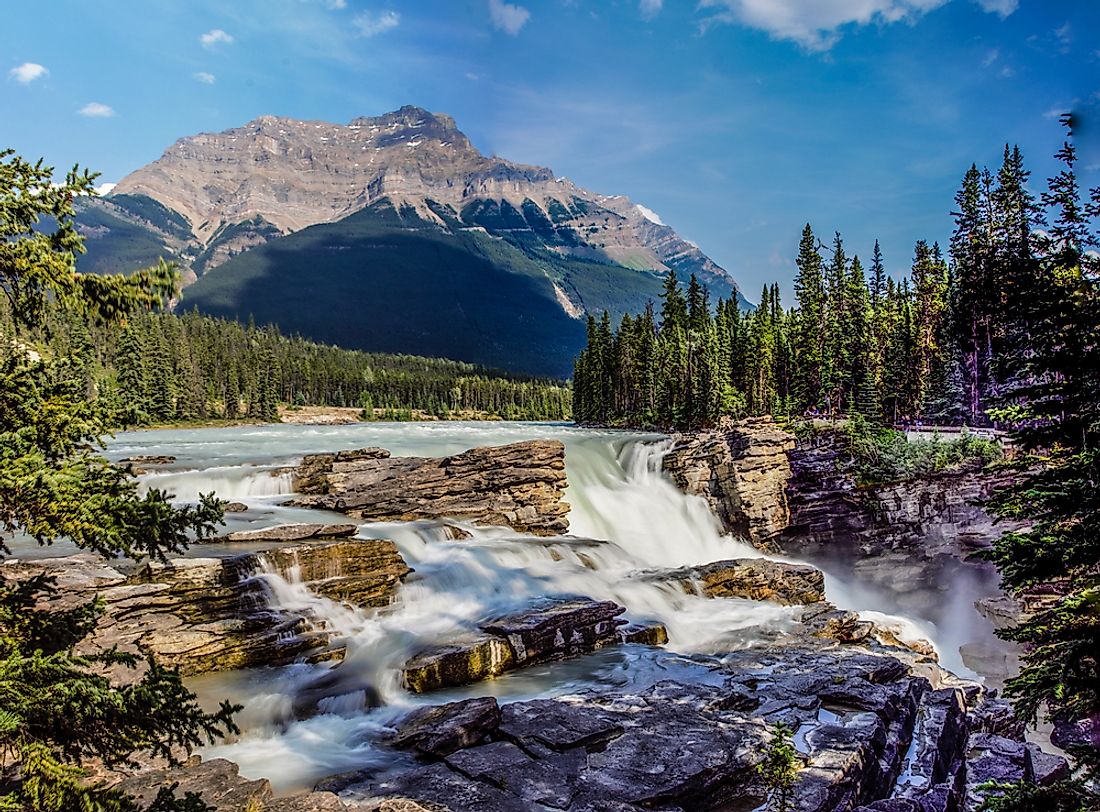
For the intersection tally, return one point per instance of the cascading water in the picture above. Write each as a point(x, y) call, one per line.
point(626, 517)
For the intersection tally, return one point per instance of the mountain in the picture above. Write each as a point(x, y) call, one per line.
point(390, 233)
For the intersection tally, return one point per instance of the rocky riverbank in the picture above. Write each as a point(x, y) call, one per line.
point(213, 614)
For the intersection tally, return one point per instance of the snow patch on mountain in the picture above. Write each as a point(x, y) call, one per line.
point(649, 214)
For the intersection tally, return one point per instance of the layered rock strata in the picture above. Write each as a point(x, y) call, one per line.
point(754, 579)
point(741, 470)
point(210, 614)
point(520, 485)
point(552, 630)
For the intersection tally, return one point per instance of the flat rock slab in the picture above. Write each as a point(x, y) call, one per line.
point(756, 579)
point(519, 485)
point(444, 729)
point(294, 532)
point(221, 786)
point(552, 630)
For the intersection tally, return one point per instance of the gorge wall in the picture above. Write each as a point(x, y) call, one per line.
point(784, 495)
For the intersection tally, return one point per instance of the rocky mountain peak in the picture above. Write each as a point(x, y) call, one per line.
point(275, 175)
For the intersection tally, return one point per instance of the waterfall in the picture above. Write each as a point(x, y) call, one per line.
point(229, 482)
point(626, 518)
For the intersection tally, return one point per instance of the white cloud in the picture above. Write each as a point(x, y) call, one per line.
point(215, 36)
point(205, 78)
point(817, 24)
point(991, 57)
point(105, 188)
point(27, 72)
point(96, 110)
point(650, 8)
point(336, 5)
point(508, 17)
point(370, 24)
point(1002, 7)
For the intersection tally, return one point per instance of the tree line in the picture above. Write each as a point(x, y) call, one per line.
point(158, 367)
point(925, 347)
point(1005, 328)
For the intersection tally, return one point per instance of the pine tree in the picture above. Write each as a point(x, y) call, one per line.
point(59, 710)
point(674, 311)
point(1054, 399)
point(807, 347)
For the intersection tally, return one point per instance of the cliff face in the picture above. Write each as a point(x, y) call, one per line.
point(939, 514)
point(742, 471)
point(777, 493)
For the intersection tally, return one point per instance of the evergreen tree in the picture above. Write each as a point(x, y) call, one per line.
point(808, 344)
point(59, 709)
point(1054, 401)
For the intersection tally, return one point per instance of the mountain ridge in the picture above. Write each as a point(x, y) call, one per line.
point(304, 223)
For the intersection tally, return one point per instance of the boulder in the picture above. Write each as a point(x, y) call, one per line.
point(518, 485)
point(441, 730)
point(553, 629)
point(235, 507)
point(756, 579)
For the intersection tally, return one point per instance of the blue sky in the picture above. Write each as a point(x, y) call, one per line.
point(735, 120)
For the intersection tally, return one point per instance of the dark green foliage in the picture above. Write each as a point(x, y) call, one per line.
point(1053, 397)
point(57, 709)
point(1024, 796)
point(161, 368)
point(779, 769)
point(883, 455)
point(151, 211)
point(116, 243)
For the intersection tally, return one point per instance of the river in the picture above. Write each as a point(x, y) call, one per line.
point(617, 493)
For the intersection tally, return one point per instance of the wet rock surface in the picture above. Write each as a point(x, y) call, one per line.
point(221, 786)
point(872, 731)
point(553, 629)
point(519, 485)
point(756, 579)
point(210, 614)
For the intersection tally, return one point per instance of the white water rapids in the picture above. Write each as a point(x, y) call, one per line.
point(617, 494)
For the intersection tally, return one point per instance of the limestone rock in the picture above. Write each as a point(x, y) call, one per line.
point(276, 175)
point(554, 629)
point(519, 485)
point(742, 471)
point(210, 614)
point(220, 785)
point(294, 532)
point(441, 730)
point(871, 733)
point(646, 634)
point(756, 579)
